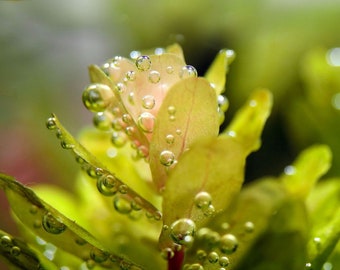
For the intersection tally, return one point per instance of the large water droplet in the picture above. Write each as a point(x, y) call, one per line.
point(5, 241)
point(146, 122)
point(143, 63)
point(52, 224)
point(228, 243)
point(148, 102)
point(202, 199)
point(107, 185)
point(187, 72)
point(167, 158)
point(182, 231)
point(51, 123)
point(97, 97)
point(154, 76)
point(122, 205)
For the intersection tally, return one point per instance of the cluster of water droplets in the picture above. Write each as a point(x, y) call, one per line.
point(9, 246)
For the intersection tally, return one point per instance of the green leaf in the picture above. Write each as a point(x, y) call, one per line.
point(107, 182)
point(21, 255)
point(311, 164)
point(248, 123)
point(216, 74)
point(204, 182)
point(187, 114)
point(52, 226)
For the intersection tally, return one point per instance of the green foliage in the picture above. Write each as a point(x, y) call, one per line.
point(173, 197)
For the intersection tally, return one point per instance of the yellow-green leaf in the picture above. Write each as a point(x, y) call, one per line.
point(187, 114)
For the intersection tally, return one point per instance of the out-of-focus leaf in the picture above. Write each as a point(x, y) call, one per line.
point(21, 255)
point(323, 204)
point(310, 165)
point(97, 75)
point(216, 74)
point(54, 227)
point(97, 170)
point(177, 127)
point(248, 123)
point(176, 49)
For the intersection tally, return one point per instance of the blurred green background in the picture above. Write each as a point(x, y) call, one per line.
point(46, 46)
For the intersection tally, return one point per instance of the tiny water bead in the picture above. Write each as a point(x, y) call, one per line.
point(148, 102)
point(249, 226)
point(182, 231)
point(213, 257)
point(143, 63)
point(146, 122)
point(51, 123)
point(171, 110)
point(130, 75)
point(52, 225)
point(167, 158)
point(170, 139)
point(154, 76)
point(187, 72)
point(120, 87)
point(97, 97)
point(209, 211)
point(202, 199)
point(228, 243)
point(170, 69)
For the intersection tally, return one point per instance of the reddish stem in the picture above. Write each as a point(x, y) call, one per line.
point(176, 262)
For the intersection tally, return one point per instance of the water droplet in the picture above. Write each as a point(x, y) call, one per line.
point(223, 261)
point(122, 205)
point(317, 241)
point(172, 118)
point(126, 118)
point(120, 88)
point(182, 231)
point(209, 211)
point(249, 226)
point(5, 241)
point(52, 224)
point(195, 266)
point(119, 139)
point(157, 215)
point(167, 253)
point(34, 209)
point(102, 121)
point(289, 170)
point(170, 139)
point(228, 243)
point(308, 266)
point(201, 255)
point(148, 102)
point(131, 98)
point(99, 256)
point(51, 123)
point(169, 69)
point(223, 103)
point(80, 241)
point(97, 97)
point(171, 110)
point(167, 158)
point(143, 63)
point(136, 204)
point(107, 185)
point(130, 75)
point(130, 130)
point(64, 144)
point(213, 257)
point(154, 76)
point(123, 189)
point(146, 122)
point(178, 132)
point(187, 72)
point(135, 54)
point(15, 251)
point(203, 199)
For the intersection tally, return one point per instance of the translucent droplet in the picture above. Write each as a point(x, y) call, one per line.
point(170, 139)
point(52, 225)
point(201, 255)
point(171, 110)
point(102, 121)
point(66, 145)
point(182, 231)
point(33, 209)
point(289, 170)
point(107, 185)
point(119, 139)
point(178, 132)
point(5, 241)
point(126, 118)
point(97, 97)
point(123, 189)
point(249, 226)
point(122, 205)
point(146, 122)
point(136, 204)
point(142, 151)
point(120, 88)
point(203, 199)
point(228, 243)
point(167, 253)
point(99, 256)
point(51, 123)
point(223, 261)
point(130, 75)
point(135, 54)
point(195, 266)
point(116, 125)
point(130, 130)
point(209, 211)
point(148, 102)
point(143, 63)
point(187, 72)
point(167, 158)
point(15, 251)
point(213, 257)
point(154, 76)
point(169, 69)
point(223, 103)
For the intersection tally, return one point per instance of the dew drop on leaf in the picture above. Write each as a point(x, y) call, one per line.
point(167, 158)
point(249, 226)
point(97, 97)
point(187, 72)
point(107, 185)
point(148, 102)
point(122, 205)
point(52, 225)
point(228, 243)
point(182, 231)
point(201, 255)
point(146, 122)
point(223, 261)
point(169, 69)
point(51, 123)
point(119, 138)
point(170, 139)
point(171, 110)
point(154, 76)
point(143, 63)
point(5, 241)
point(167, 253)
point(102, 121)
point(202, 199)
point(130, 75)
point(213, 257)
point(15, 251)
point(98, 255)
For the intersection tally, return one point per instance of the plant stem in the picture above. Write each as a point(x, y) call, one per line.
point(176, 262)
